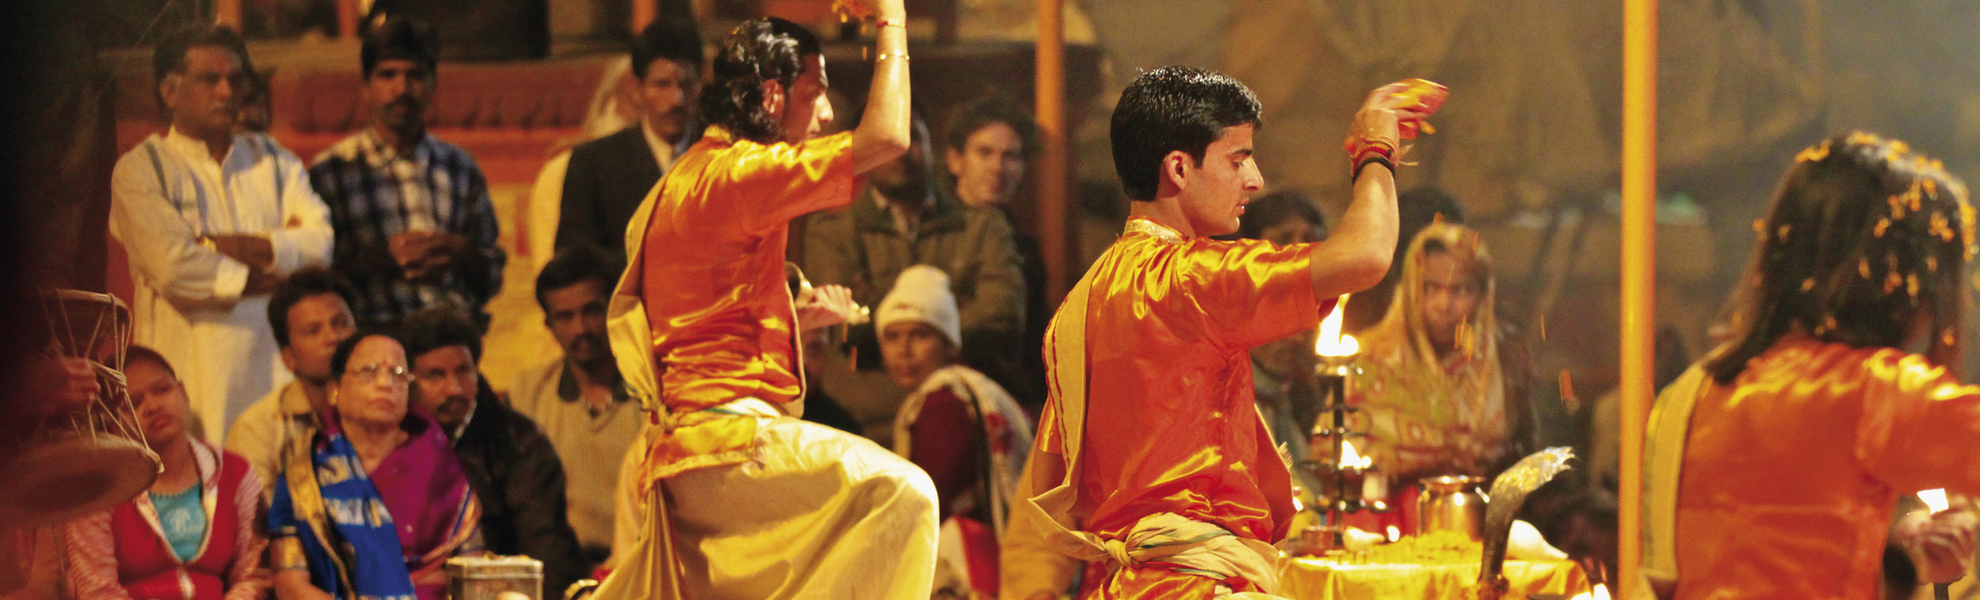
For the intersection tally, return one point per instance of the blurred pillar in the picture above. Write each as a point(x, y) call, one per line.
point(348, 14)
point(643, 12)
point(1051, 109)
point(1639, 270)
point(228, 12)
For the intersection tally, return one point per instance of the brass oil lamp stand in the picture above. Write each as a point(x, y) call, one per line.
point(1332, 460)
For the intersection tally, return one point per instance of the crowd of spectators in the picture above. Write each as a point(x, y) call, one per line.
point(328, 317)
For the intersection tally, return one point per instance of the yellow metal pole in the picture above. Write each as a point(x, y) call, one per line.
point(1052, 238)
point(1639, 267)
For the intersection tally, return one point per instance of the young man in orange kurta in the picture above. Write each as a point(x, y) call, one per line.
point(1151, 434)
point(742, 499)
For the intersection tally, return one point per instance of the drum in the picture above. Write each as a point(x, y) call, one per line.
point(92, 457)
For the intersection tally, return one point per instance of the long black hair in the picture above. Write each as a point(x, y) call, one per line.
point(759, 50)
point(1862, 235)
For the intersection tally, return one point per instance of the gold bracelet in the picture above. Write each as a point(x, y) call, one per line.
point(884, 56)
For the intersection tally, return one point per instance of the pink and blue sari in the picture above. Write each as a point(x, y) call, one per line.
point(381, 535)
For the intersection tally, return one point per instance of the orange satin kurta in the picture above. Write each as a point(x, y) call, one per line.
point(1171, 422)
point(712, 268)
point(1791, 473)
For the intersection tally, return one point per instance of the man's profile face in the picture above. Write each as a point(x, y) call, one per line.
point(989, 166)
point(316, 325)
point(205, 95)
point(576, 317)
point(399, 91)
point(1217, 189)
point(668, 91)
point(806, 110)
point(445, 381)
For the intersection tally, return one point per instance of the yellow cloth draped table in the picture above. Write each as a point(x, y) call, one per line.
point(1309, 578)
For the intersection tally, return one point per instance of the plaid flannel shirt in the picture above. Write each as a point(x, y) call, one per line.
point(374, 193)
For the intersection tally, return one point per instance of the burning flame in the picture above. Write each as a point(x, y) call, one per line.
point(1352, 460)
point(1601, 592)
point(1331, 342)
point(1935, 499)
point(1394, 534)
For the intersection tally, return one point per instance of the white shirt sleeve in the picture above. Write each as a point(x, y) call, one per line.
point(163, 250)
point(305, 236)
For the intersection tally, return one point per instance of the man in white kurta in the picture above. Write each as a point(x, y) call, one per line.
point(211, 222)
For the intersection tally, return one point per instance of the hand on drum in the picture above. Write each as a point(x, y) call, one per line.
point(60, 383)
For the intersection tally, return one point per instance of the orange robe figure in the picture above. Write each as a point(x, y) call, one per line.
point(740, 498)
point(1789, 475)
point(1171, 425)
point(712, 268)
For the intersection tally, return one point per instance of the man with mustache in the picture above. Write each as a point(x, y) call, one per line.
point(211, 221)
point(511, 465)
point(415, 226)
point(310, 313)
point(609, 176)
point(579, 397)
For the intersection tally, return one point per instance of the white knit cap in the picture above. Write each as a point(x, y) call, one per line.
point(922, 295)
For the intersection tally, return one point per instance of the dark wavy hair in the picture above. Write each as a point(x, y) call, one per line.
point(1279, 207)
point(971, 117)
point(340, 359)
point(137, 354)
point(576, 264)
point(436, 327)
point(759, 50)
point(1169, 109)
point(393, 37)
point(170, 57)
point(304, 283)
point(670, 37)
point(1862, 234)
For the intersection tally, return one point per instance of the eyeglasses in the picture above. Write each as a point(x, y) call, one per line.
point(395, 375)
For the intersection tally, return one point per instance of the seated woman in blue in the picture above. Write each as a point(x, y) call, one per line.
point(379, 503)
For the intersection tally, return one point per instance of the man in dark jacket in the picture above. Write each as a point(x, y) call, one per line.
point(509, 461)
point(609, 177)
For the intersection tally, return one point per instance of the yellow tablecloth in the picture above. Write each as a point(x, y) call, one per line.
point(1320, 579)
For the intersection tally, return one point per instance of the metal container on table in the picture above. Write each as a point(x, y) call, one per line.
point(1452, 503)
point(489, 577)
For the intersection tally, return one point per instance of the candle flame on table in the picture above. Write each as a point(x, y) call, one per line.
point(1352, 460)
point(1935, 499)
point(1601, 592)
point(1331, 342)
point(1394, 534)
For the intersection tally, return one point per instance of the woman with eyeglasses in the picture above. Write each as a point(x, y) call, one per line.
point(380, 502)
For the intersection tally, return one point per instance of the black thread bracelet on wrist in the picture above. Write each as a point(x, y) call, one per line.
point(1383, 160)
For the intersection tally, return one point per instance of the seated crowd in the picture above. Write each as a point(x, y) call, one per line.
point(365, 275)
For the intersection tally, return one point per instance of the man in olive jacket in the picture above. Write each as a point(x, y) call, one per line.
point(901, 220)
